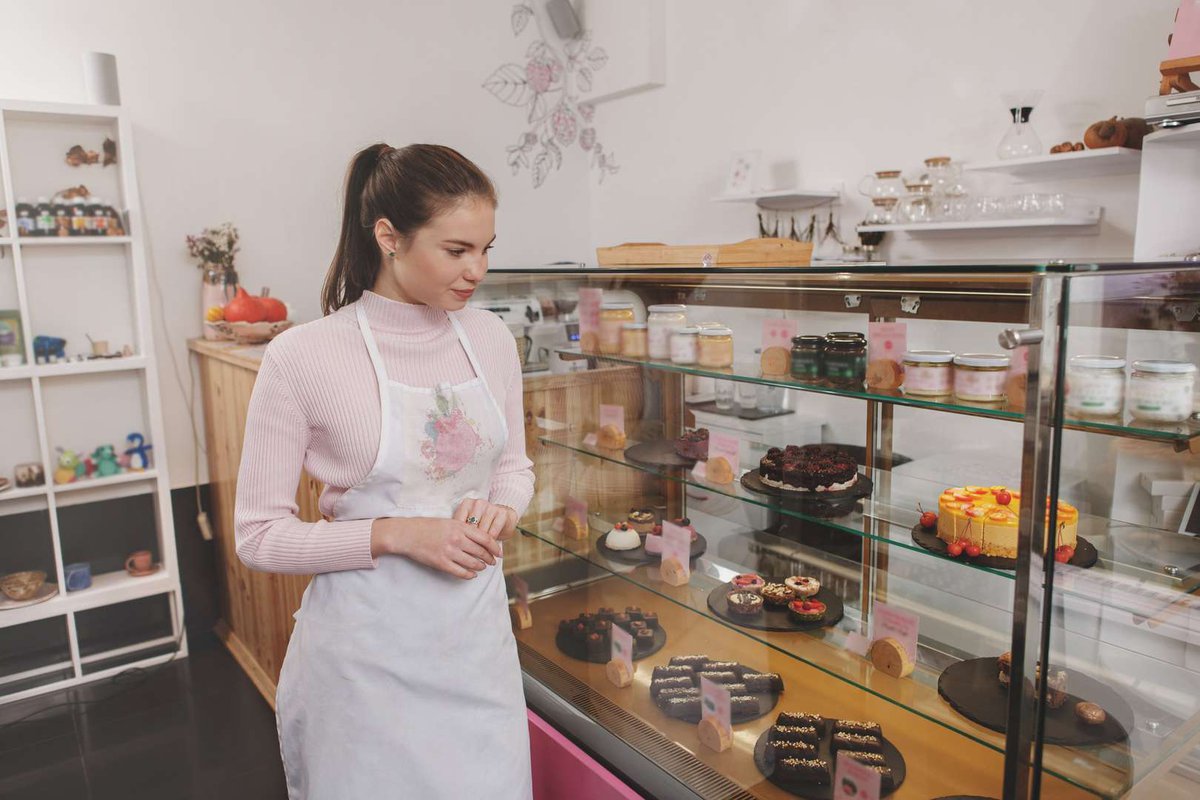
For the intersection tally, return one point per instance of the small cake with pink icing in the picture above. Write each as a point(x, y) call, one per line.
point(622, 537)
point(803, 586)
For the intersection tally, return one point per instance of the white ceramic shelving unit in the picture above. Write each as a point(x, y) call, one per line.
point(1087, 221)
point(784, 199)
point(1061, 166)
point(32, 137)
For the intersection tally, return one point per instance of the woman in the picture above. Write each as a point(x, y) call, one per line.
point(401, 676)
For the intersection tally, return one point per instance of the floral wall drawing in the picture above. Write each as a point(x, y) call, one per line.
point(550, 87)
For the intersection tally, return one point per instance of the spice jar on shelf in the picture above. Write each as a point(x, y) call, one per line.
point(808, 357)
point(715, 347)
point(685, 345)
point(612, 317)
point(980, 377)
point(845, 361)
point(1095, 386)
point(928, 373)
point(1161, 390)
point(634, 340)
point(660, 321)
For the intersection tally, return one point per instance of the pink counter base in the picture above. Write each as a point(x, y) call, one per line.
point(561, 769)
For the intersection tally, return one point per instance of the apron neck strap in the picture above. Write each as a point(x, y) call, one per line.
point(466, 343)
point(372, 347)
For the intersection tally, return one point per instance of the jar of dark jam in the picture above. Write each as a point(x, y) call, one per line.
point(808, 358)
point(845, 361)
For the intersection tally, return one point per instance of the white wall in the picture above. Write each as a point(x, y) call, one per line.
point(250, 112)
point(835, 90)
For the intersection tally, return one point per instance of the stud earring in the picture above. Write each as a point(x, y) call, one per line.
point(391, 254)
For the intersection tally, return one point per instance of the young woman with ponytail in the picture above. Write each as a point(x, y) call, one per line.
point(401, 676)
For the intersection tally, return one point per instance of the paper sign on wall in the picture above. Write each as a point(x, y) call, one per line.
point(889, 621)
point(677, 552)
point(622, 646)
point(589, 319)
point(723, 458)
point(854, 780)
point(715, 704)
point(778, 332)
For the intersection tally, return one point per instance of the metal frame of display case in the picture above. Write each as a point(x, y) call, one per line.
point(1031, 296)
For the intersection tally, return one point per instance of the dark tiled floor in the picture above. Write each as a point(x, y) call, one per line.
point(195, 730)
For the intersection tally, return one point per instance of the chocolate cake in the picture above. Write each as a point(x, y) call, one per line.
point(811, 468)
point(807, 770)
point(794, 733)
point(693, 444)
point(763, 681)
point(801, 719)
point(778, 750)
point(674, 672)
point(857, 742)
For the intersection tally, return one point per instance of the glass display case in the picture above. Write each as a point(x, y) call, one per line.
point(992, 502)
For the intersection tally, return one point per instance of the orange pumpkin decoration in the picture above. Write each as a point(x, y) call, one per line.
point(273, 309)
point(244, 308)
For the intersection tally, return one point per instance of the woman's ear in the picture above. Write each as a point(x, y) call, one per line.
point(386, 237)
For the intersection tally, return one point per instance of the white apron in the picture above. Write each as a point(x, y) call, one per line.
point(403, 681)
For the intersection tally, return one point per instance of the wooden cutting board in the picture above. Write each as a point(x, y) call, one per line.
point(750, 253)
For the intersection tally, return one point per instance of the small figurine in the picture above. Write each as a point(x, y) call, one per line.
point(105, 459)
point(138, 452)
point(48, 349)
point(68, 466)
point(29, 475)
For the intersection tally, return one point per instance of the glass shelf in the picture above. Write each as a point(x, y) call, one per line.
point(1134, 560)
point(825, 650)
point(749, 372)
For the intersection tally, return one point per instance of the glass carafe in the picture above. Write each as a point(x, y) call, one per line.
point(918, 204)
point(1020, 141)
point(882, 185)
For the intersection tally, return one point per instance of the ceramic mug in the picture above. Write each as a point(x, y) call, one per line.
point(77, 576)
point(139, 561)
point(100, 348)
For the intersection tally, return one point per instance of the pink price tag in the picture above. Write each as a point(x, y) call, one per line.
point(854, 780)
point(715, 704)
point(622, 646)
point(899, 625)
point(779, 332)
point(887, 340)
point(521, 590)
point(612, 415)
point(677, 545)
point(589, 317)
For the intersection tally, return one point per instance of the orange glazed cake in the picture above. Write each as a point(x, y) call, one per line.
point(987, 517)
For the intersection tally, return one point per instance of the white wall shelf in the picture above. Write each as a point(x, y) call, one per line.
point(1077, 224)
point(30, 133)
point(71, 241)
point(783, 199)
point(1061, 166)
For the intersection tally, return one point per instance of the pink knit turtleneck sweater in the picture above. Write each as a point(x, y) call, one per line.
point(316, 405)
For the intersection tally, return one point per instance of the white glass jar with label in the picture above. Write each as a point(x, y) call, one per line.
point(980, 377)
point(633, 339)
point(612, 317)
point(685, 345)
point(1162, 391)
point(928, 373)
point(1095, 386)
point(661, 320)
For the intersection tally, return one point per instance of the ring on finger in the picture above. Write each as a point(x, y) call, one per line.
point(472, 520)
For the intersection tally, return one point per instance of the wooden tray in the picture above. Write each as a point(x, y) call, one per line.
point(750, 253)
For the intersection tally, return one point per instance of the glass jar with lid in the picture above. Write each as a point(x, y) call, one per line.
point(1162, 391)
point(928, 373)
point(660, 321)
point(634, 340)
point(808, 357)
point(715, 347)
point(918, 204)
point(885, 184)
point(1095, 386)
point(685, 344)
point(980, 377)
point(612, 317)
point(845, 361)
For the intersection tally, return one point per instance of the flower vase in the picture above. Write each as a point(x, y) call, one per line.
point(218, 288)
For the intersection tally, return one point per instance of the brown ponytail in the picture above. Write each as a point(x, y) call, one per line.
point(407, 187)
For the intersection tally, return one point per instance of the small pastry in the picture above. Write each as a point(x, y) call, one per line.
point(685, 691)
point(742, 704)
point(719, 677)
point(777, 595)
point(805, 770)
point(724, 666)
point(887, 781)
point(1004, 662)
point(854, 726)
point(776, 360)
point(744, 604)
point(693, 445)
point(636, 626)
point(602, 627)
point(759, 682)
point(689, 661)
point(658, 685)
point(778, 750)
point(605, 614)
point(686, 524)
point(579, 630)
point(596, 647)
point(611, 437)
point(641, 519)
point(1090, 714)
point(681, 707)
point(719, 471)
point(801, 719)
point(794, 733)
point(1056, 688)
point(635, 612)
point(805, 611)
point(875, 759)
point(674, 672)
point(622, 537)
point(621, 620)
point(736, 689)
point(651, 620)
point(643, 640)
point(749, 581)
point(572, 528)
point(804, 586)
point(854, 741)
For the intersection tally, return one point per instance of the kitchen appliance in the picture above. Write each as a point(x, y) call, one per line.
point(513, 310)
point(1173, 110)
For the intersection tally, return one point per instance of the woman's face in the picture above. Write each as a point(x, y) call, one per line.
point(441, 264)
